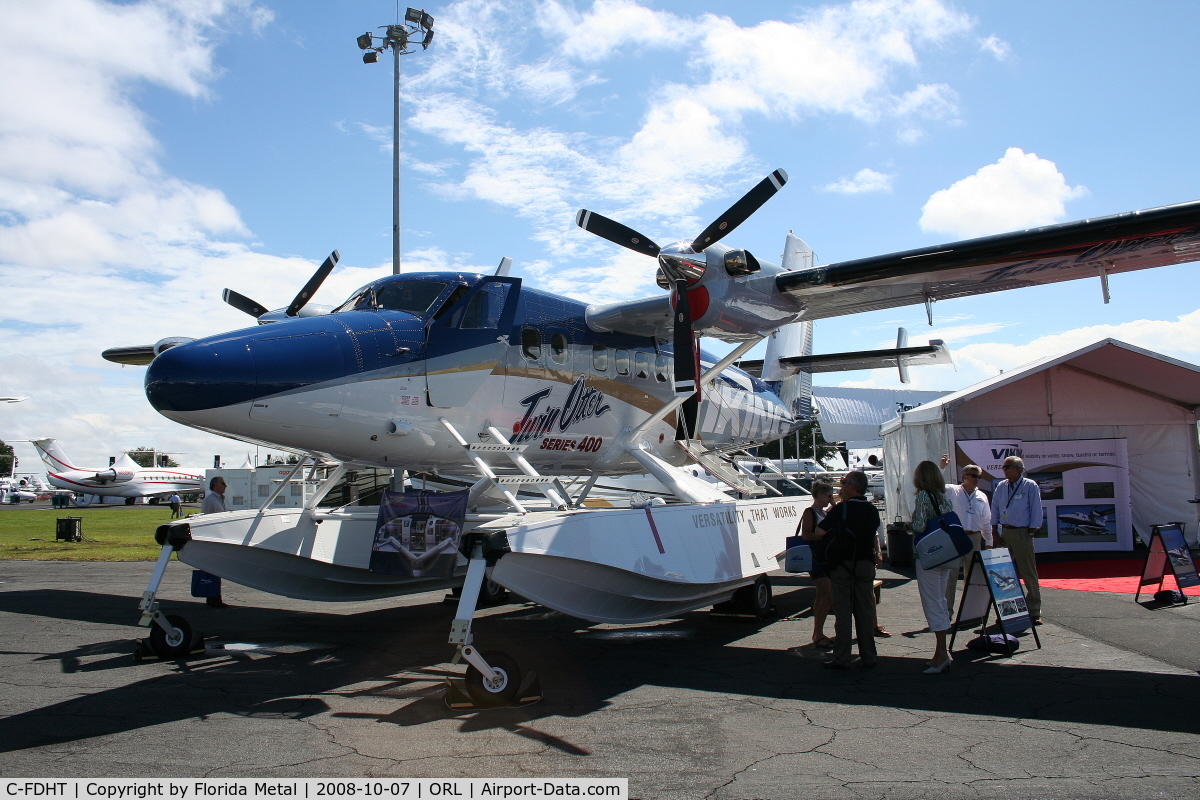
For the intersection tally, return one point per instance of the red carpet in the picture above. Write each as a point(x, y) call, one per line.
point(1103, 576)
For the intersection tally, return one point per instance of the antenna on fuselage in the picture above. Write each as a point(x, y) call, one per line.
point(504, 268)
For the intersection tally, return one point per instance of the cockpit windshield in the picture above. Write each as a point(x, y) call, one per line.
point(415, 297)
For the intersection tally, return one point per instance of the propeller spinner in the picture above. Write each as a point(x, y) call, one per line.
point(679, 269)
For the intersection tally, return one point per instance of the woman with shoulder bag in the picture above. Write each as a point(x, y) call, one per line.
point(931, 502)
point(822, 499)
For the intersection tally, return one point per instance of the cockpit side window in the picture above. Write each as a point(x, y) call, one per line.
point(484, 308)
point(454, 297)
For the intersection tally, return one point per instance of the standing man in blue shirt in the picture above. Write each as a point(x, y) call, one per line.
point(1016, 517)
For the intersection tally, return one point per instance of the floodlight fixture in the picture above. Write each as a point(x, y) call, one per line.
point(396, 38)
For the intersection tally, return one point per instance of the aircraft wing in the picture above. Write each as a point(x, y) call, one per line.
point(1084, 249)
point(649, 317)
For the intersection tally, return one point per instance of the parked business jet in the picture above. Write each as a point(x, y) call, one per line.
point(125, 478)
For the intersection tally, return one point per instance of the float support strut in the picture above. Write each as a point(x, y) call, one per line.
point(460, 628)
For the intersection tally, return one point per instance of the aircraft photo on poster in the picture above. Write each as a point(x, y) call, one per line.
point(1006, 589)
point(1179, 555)
point(1092, 523)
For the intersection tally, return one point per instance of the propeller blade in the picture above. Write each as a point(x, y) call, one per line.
point(314, 283)
point(615, 232)
point(685, 363)
point(740, 211)
point(243, 303)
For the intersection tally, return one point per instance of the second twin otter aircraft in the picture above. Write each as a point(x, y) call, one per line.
point(481, 375)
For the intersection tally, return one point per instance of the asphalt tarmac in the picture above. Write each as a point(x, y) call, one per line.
point(695, 707)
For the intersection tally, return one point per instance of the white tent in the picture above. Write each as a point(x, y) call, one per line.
point(1107, 390)
point(853, 415)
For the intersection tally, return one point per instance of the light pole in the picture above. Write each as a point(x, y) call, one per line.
point(397, 39)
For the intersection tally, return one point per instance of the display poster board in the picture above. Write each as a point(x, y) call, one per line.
point(1168, 552)
point(417, 533)
point(993, 585)
point(1084, 486)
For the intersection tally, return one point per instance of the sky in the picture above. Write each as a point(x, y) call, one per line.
point(153, 153)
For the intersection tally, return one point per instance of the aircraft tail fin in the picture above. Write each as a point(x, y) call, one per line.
point(52, 454)
point(795, 386)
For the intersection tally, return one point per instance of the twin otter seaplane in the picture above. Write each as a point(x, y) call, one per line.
point(480, 376)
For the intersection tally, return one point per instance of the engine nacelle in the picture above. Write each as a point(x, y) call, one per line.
point(736, 298)
point(112, 475)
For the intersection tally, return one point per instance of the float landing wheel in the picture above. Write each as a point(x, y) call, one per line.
point(499, 692)
point(169, 646)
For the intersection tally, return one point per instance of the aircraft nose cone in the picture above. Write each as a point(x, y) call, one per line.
point(200, 375)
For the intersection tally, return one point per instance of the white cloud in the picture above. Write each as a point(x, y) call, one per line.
point(610, 25)
point(688, 147)
point(1019, 191)
point(864, 181)
point(996, 46)
point(98, 246)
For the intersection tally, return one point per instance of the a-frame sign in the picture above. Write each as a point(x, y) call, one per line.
point(994, 584)
point(1168, 551)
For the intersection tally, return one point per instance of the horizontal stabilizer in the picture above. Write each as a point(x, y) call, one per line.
point(933, 353)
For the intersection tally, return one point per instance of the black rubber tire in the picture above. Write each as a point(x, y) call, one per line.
point(486, 697)
point(129, 500)
point(167, 648)
point(492, 593)
point(756, 598)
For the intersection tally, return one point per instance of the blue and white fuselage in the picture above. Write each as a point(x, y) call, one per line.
point(370, 382)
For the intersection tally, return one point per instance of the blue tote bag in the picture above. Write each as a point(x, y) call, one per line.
point(943, 540)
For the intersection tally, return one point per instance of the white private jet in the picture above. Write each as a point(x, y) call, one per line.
point(125, 478)
point(482, 376)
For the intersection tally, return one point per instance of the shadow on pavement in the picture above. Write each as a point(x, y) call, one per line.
point(318, 661)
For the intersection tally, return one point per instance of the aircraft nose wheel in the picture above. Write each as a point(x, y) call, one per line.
point(172, 645)
point(503, 689)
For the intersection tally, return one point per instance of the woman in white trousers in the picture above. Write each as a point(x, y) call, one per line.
point(931, 501)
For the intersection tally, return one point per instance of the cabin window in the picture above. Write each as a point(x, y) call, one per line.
point(661, 366)
point(600, 358)
point(531, 343)
point(558, 348)
point(622, 359)
point(484, 308)
point(641, 364)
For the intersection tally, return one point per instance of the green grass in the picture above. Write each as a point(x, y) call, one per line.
point(117, 533)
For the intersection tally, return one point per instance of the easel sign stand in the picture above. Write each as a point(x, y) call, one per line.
point(1168, 550)
point(994, 584)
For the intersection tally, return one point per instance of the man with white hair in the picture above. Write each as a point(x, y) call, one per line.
point(1016, 517)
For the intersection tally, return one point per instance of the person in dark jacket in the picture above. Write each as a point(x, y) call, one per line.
point(852, 554)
